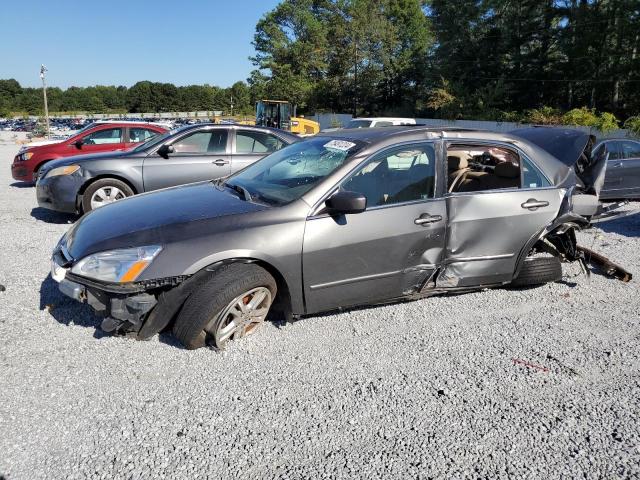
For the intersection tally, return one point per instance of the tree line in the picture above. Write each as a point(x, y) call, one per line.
point(140, 98)
point(476, 59)
point(545, 61)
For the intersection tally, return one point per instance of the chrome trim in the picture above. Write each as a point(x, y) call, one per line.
point(423, 266)
point(354, 280)
point(484, 257)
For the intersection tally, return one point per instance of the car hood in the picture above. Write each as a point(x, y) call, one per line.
point(571, 147)
point(79, 159)
point(155, 218)
point(34, 146)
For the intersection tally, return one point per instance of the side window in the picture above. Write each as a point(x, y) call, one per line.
point(531, 176)
point(614, 150)
point(476, 168)
point(137, 135)
point(211, 141)
point(402, 174)
point(383, 123)
point(102, 137)
point(256, 142)
point(630, 150)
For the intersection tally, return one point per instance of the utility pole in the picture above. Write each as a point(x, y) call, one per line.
point(43, 70)
point(355, 81)
point(232, 105)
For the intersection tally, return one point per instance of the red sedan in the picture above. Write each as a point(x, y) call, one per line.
point(98, 137)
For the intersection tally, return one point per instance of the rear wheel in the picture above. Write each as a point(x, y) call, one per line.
point(537, 271)
point(103, 192)
point(232, 305)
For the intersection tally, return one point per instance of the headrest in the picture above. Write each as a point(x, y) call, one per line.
point(507, 170)
point(456, 162)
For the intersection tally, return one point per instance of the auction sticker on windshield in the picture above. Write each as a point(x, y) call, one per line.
point(341, 145)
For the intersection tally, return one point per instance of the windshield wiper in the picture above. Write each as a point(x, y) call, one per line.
point(241, 190)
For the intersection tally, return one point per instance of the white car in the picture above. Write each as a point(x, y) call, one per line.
point(372, 122)
point(379, 122)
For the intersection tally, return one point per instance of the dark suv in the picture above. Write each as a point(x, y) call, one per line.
point(185, 155)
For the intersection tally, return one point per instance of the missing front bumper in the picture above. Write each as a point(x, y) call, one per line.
point(123, 313)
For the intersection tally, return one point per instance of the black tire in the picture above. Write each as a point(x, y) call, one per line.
point(211, 299)
point(103, 183)
point(538, 271)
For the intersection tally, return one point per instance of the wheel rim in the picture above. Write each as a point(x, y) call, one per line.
point(241, 317)
point(106, 195)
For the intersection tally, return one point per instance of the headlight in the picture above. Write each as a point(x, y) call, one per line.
point(25, 156)
point(68, 170)
point(117, 265)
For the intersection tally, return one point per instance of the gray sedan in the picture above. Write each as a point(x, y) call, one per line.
point(622, 179)
point(186, 155)
point(348, 218)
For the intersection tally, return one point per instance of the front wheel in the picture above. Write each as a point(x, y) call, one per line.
point(232, 305)
point(103, 192)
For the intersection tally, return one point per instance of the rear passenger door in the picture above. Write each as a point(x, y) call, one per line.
point(198, 155)
point(630, 167)
point(614, 174)
point(137, 135)
point(488, 228)
point(252, 145)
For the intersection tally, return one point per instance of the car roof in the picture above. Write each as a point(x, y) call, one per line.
point(389, 119)
point(129, 123)
point(276, 131)
point(371, 135)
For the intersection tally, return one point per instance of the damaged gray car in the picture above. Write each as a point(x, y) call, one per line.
point(354, 217)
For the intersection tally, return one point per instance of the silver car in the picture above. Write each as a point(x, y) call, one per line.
point(349, 218)
point(622, 178)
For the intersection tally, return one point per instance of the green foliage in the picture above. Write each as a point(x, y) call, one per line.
point(366, 55)
point(543, 116)
point(581, 117)
point(142, 97)
point(633, 125)
point(607, 122)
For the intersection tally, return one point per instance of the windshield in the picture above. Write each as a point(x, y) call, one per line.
point(359, 124)
point(286, 175)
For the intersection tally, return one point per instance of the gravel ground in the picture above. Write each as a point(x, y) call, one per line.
point(414, 390)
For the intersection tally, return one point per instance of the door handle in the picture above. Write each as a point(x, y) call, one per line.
point(220, 162)
point(426, 219)
point(617, 165)
point(533, 204)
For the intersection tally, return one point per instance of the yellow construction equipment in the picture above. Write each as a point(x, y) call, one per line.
point(277, 114)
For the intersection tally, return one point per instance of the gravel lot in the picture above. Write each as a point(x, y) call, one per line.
point(413, 390)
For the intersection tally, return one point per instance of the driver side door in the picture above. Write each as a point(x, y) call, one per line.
point(101, 140)
point(391, 248)
point(199, 155)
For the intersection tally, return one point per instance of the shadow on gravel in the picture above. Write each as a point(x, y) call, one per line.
point(627, 226)
point(50, 216)
point(64, 309)
point(22, 184)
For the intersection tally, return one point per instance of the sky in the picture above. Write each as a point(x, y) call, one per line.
point(118, 42)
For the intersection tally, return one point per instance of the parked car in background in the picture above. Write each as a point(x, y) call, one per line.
point(349, 218)
point(622, 178)
point(98, 137)
point(379, 122)
point(185, 155)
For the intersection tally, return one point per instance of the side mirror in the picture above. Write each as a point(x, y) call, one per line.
point(344, 202)
point(165, 150)
point(78, 144)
